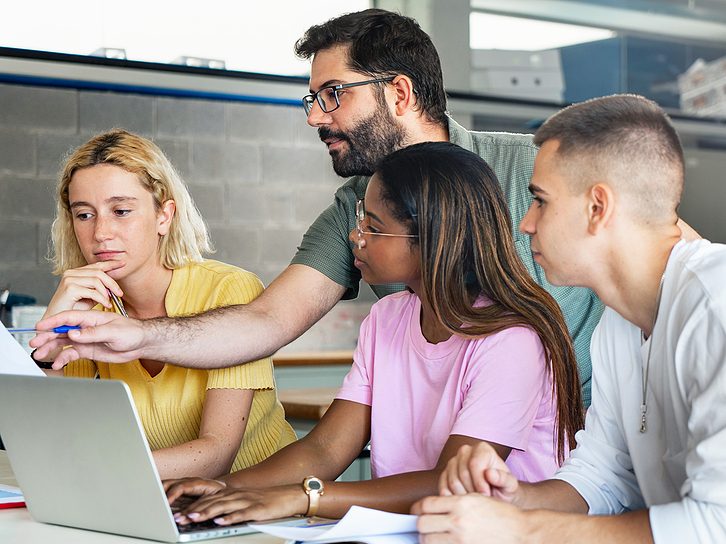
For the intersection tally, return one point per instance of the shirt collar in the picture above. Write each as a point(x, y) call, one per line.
point(459, 135)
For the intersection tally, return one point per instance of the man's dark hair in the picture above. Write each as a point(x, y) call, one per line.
point(383, 43)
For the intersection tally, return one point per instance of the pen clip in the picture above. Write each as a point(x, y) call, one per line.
point(117, 302)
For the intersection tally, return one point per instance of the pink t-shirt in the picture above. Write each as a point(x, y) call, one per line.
point(496, 389)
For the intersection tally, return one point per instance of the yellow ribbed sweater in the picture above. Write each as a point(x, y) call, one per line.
point(170, 403)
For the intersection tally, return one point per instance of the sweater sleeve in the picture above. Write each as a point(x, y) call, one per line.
point(241, 287)
point(82, 368)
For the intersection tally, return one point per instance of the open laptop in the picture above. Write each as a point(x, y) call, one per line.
point(81, 459)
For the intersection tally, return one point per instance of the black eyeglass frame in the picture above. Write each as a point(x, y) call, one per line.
point(309, 99)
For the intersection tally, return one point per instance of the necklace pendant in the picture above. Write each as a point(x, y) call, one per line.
point(644, 375)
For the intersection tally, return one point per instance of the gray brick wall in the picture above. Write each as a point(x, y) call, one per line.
point(258, 173)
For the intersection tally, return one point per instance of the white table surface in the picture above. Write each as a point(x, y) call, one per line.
point(17, 527)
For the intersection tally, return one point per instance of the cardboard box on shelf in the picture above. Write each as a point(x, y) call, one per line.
point(703, 88)
point(534, 75)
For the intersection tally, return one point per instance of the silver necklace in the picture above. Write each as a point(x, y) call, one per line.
point(646, 369)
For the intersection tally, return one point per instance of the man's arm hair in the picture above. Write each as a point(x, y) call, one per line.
point(220, 338)
point(224, 337)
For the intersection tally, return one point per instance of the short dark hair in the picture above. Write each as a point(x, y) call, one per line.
point(625, 138)
point(383, 43)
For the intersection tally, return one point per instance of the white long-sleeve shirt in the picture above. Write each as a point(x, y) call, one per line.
point(677, 468)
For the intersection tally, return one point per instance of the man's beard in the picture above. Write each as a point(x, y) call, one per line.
point(368, 143)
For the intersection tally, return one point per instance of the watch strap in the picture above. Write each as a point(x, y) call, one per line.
point(47, 365)
point(313, 488)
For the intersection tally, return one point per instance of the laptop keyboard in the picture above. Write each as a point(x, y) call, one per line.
point(204, 529)
point(200, 526)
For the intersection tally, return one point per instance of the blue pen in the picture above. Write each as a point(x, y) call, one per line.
point(63, 329)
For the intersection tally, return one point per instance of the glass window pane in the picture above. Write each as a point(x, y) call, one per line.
point(247, 36)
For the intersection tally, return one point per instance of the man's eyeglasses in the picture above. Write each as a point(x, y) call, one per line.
point(328, 98)
point(360, 216)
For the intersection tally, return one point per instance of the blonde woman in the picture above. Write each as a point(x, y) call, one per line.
point(128, 237)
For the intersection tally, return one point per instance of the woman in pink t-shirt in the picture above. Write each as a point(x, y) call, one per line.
point(474, 350)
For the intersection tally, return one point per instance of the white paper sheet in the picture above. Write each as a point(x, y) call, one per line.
point(357, 524)
point(13, 358)
point(398, 538)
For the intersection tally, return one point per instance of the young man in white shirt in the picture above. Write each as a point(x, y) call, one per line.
point(651, 461)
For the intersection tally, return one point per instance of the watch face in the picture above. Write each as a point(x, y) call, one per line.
point(315, 485)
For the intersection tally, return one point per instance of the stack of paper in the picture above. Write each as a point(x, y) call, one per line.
point(358, 525)
point(11, 497)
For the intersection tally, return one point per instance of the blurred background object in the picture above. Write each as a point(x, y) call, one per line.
point(10, 300)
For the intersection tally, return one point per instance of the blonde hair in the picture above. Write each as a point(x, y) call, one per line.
point(187, 238)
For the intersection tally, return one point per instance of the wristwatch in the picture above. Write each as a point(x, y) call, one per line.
point(313, 488)
point(41, 364)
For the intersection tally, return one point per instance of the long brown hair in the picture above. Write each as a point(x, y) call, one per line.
point(451, 198)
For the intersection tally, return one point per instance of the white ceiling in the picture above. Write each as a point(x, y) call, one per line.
point(660, 18)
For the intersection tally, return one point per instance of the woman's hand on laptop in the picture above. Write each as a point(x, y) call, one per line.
point(103, 336)
point(190, 487)
point(234, 505)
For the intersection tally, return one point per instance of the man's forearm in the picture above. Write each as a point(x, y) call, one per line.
point(475, 518)
point(295, 301)
point(219, 338)
point(224, 337)
point(545, 526)
point(555, 514)
point(552, 495)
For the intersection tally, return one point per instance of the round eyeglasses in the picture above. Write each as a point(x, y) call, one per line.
point(327, 97)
